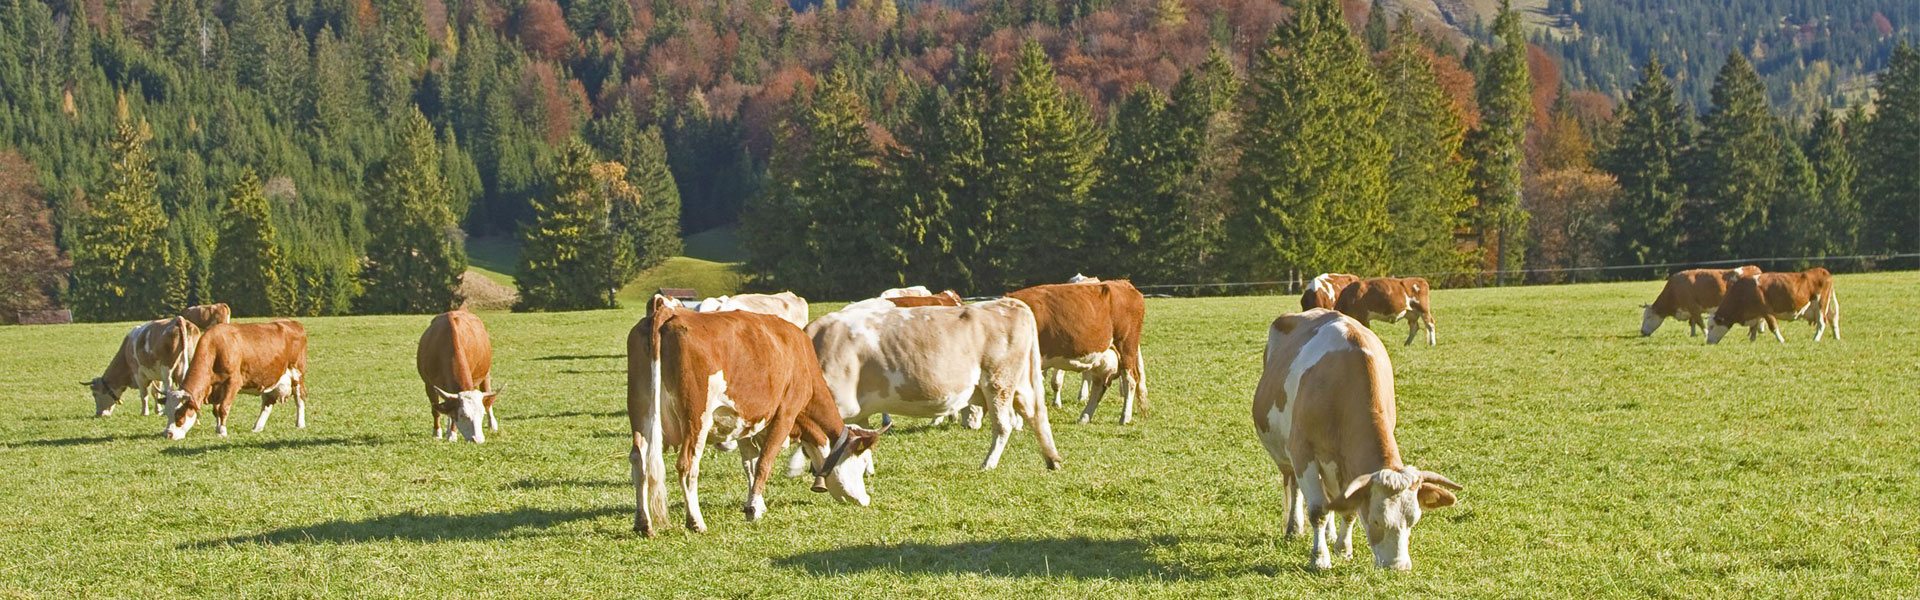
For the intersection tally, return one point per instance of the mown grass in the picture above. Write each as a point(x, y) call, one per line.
point(1597, 464)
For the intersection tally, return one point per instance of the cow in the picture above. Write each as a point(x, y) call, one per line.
point(455, 361)
point(946, 298)
point(1760, 301)
point(153, 359)
point(742, 376)
point(933, 361)
point(1392, 299)
point(265, 359)
point(1324, 291)
point(1690, 296)
point(205, 316)
point(1324, 410)
point(1078, 278)
point(1080, 323)
point(785, 305)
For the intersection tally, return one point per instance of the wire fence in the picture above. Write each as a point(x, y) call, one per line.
point(1852, 263)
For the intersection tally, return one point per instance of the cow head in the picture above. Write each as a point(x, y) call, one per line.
point(182, 412)
point(1649, 320)
point(104, 396)
point(844, 470)
point(467, 408)
point(1391, 502)
point(1722, 324)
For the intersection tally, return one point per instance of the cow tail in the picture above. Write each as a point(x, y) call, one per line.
point(650, 463)
point(183, 359)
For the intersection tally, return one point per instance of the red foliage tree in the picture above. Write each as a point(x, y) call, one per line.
point(32, 268)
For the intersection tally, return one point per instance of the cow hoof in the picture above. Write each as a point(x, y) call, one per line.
point(644, 529)
point(696, 526)
point(1054, 464)
point(754, 512)
point(1085, 418)
point(1321, 565)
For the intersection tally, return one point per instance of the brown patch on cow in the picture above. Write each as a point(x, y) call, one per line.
point(243, 357)
point(1696, 291)
point(1080, 319)
point(455, 355)
point(1765, 296)
point(205, 316)
point(1324, 291)
point(946, 298)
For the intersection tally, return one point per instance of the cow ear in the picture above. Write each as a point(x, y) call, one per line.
point(1433, 496)
point(1357, 485)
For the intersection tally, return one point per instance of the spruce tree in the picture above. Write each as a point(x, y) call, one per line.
point(1041, 145)
point(569, 256)
point(1505, 105)
point(1201, 124)
point(935, 172)
point(123, 269)
point(1890, 177)
point(1732, 169)
point(414, 251)
point(250, 273)
point(979, 226)
point(1835, 168)
point(1427, 176)
point(850, 231)
point(1311, 191)
point(1133, 213)
point(649, 226)
point(1646, 162)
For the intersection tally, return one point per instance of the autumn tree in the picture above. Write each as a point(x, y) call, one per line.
point(33, 270)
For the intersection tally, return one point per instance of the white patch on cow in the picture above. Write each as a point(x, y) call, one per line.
point(1392, 509)
point(1650, 322)
point(175, 431)
point(1326, 340)
point(261, 423)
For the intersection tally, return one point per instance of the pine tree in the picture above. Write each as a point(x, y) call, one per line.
point(1505, 105)
point(414, 255)
point(649, 226)
point(250, 274)
point(1427, 176)
point(1201, 124)
point(1311, 191)
point(569, 257)
point(934, 172)
point(1733, 169)
point(1133, 211)
point(1646, 162)
point(1835, 168)
point(1889, 178)
point(849, 231)
point(1794, 207)
point(979, 226)
point(123, 269)
point(1041, 145)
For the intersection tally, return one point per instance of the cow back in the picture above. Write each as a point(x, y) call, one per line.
point(768, 365)
point(1078, 319)
point(206, 316)
point(250, 355)
point(455, 353)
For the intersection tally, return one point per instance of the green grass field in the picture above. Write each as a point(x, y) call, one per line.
point(1597, 464)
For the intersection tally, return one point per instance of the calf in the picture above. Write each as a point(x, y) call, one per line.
point(1762, 300)
point(934, 361)
point(946, 298)
point(1391, 299)
point(153, 358)
point(1690, 296)
point(1324, 411)
point(455, 361)
point(206, 316)
point(1080, 323)
point(266, 359)
point(1324, 291)
point(735, 376)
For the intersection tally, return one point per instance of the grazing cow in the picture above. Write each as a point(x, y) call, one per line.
point(1392, 299)
point(1324, 411)
point(694, 378)
point(786, 305)
point(455, 361)
point(265, 359)
point(205, 316)
point(1080, 323)
point(1762, 300)
point(153, 359)
point(933, 361)
point(1690, 296)
point(946, 298)
point(1324, 291)
point(918, 290)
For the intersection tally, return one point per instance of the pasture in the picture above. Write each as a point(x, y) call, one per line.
point(1596, 463)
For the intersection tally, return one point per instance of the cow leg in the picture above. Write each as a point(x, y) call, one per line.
point(1316, 499)
point(1035, 411)
point(1056, 379)
point(433, 409)
point(1695, 324)
point(1002, 427)
point(1774, 325)
point(690, 471)
point(797, 464)
point(300, 401)
point(649, 491)
point(1342, 524)
point(1426, 318)
point(493, 423)
point(750, 460)
point(1413, 330)
point(764, 449)
point(1295, 515)
point(266, 408)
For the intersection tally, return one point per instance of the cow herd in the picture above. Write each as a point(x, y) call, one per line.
point(750, 373)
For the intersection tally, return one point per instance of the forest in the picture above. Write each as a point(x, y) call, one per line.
point(300, 157)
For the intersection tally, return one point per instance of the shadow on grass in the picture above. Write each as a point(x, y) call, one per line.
point(577, 413)
point(592, 371)
point(292, 444)
point(1080, 558)
point(418, 527)
point(76, 441)
point(580, 356)
point(541, 483)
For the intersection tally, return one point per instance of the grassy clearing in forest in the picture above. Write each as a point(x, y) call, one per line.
point(1597, 463)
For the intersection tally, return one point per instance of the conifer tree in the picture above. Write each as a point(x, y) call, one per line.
point(1201, 124)
point(1835, 169)
point(650, 225)
point(1427, 176)
point(1505, 106)
point(934, 172)
point(569, 258)
point(1646, 162)
point(123, 269)
point(414, 255)
point(1133, 211)
point(250, 273)
point(1310, 195)
point(979, 226)
point(1732, 169)
point(849, 230)
point(1794, 207)
point(1890, 180)
point(1041, 145)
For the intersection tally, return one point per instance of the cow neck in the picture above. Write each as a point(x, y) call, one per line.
point(820, 422)
point(1663, 305)
point(119, 374)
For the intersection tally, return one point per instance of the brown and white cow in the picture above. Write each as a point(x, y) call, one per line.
point(455, 361)
point(1392, 299)
point(1690, 296)
point(1324, 410)
point(1324, 291)
point(933, 361)
point(1762, 300)
point(785, 305)
point(1081, 323)
point(265, 359)
point(152, 359)
point(695, 378)
point(946, 298)
point(208, 315)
